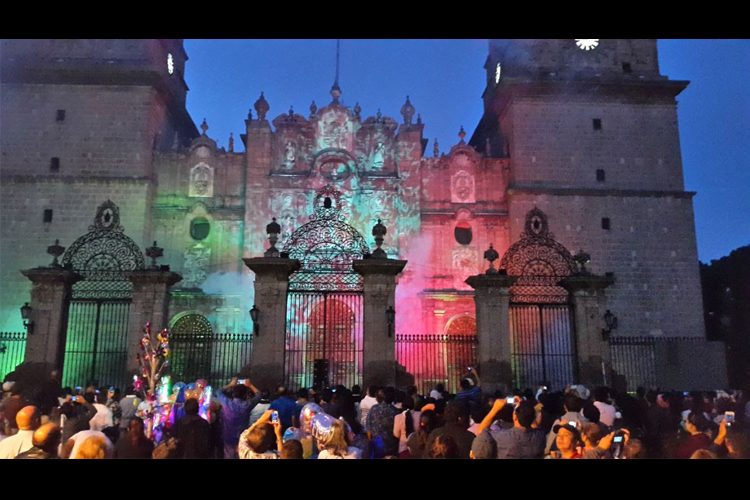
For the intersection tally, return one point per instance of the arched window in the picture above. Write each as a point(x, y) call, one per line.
point(462, 232)
point(199, 228)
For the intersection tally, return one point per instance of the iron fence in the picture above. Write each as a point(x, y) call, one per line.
point(216, 357)
point(433, 359)
point(12, 351)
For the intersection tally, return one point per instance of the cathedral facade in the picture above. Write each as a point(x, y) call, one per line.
point(574, 168)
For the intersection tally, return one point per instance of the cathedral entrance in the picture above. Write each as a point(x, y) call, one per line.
point(542, 336)
point(324, 330)
point(190, 339)
point(96, 336)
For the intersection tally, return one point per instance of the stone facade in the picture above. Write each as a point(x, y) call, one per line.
point(581, 135)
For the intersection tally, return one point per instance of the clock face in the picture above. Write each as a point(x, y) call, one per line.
point(498, 73)
point(587, 43)
point(170, 63)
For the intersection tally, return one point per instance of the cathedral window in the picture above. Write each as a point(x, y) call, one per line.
point(605, 223)
point(627, 68)
point(597, 123)
point(462, 233)
point(60, 115)
point(54, 164)
point(199, 228)
point(600, 175)
point(47, 215)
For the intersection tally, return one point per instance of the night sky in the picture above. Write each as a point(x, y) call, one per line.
point(445, 79)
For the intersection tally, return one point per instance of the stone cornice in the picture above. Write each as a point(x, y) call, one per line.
point(565, 191)
point(490, 281)
point(72, 179)
point(282, 268)
point(153, 276)
point(40, 275)
point(389, 267)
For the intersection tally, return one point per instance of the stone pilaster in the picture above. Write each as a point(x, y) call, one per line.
point(589, 305)
point(492, 299)
point(379, 293)
point(150, 303)
point(271, 285)
point(50, 297)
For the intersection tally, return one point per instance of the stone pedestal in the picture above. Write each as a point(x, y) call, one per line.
point(50, 297)
point(271, 285)
point(379, 343)
point(492, 298)
point(589, 306)
point(150, 303)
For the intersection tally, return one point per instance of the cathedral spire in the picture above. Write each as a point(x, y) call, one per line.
point(335, 89)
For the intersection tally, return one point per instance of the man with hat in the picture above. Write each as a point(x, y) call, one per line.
point(568, 440)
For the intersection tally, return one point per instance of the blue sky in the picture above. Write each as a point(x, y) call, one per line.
point(445, 79)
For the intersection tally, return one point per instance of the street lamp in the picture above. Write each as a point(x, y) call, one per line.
point(28, 324)
point(390, 316)
point(611, 321)
point(254, 315)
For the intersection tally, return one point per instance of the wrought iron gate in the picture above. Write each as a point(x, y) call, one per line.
point(325, 300)
point(325, 326)
point(97, 329)
point(434, 359)
point(96, 344)
point(542, 336)
point(542, 347)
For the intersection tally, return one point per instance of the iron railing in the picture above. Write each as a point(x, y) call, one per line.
point(12, 351)
point(433, 359)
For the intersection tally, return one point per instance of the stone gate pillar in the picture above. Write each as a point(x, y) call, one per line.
point(379, 337)
point(271, 285)
point(589, 306)
point(150, 303)
point(50, 297)
point(492, 299)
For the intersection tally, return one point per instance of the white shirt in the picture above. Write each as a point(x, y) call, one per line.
point(102, 419)
point(351, 453)
point(364, 408)
point(607, 413)
point(15, 444)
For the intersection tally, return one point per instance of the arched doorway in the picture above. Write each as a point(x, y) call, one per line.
point(460, 348)
point(541, 326)
point(323, 344)
point(97, 329)
point(190, 340)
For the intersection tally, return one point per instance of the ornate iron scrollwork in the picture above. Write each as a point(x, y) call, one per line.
point(326, 247)
point(101, 256)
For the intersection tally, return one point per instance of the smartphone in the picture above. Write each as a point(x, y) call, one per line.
point(686, 394)
point(618, 438)
point(274, 417)
point(573, 423)
point(729, 418)
point(510, 400)
point(242, 381)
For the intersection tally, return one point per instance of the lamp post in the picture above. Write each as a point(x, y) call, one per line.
point(610, 320)
point(390, 316)
point(379, 231)
point(28, 324)
point(254, 315)
point(582, 258)
point(154, 252)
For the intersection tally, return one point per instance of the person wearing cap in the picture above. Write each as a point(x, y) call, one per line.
point(28, 420)
point(573, 405)
point(568, 440)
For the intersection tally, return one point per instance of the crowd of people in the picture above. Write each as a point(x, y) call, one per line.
point(245, 422)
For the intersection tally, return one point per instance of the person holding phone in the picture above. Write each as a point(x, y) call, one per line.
point(236, 404)
point(520, 441)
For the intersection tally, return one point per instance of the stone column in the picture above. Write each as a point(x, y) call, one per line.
point(50, 297)
point(492, 299)
point(592, 351)
point(379, 293)
point(271, 284)
point(150, 303)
